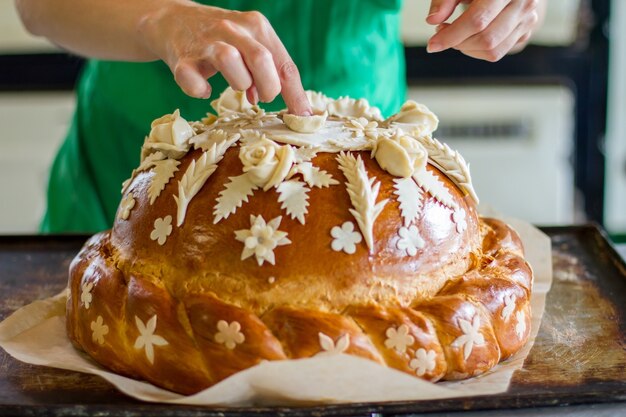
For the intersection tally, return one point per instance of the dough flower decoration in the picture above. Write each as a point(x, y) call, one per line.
point(229, 334)
point(424, 361)
point(127, 204)
point(410, 240)
point(99, 330)
point(399, 338)
point(331, 347)
point(162, 229)
point(520, 327)
point(85, 296)
point(459, 218)
point(400, 155)
point(305, 124)
point(423, 120)
point(254, 117)
point(229, 102)
point(509, 306)
point(170, 129)
point(261, 239)
point(471, 336)
point(147, 339)
point(265, 162)
point(169, 134)
point(345, 238)
point(362, 127)
point(351, 108)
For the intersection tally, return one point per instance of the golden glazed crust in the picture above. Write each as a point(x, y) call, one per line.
point(314, 255)
point(203, 257)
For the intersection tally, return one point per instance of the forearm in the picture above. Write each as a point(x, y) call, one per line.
point(105, 29)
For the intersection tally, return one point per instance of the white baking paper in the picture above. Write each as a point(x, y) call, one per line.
point(36, 334)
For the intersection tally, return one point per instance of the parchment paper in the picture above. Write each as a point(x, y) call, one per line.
point(36, 334)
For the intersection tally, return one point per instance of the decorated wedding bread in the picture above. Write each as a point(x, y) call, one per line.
point(254, 236)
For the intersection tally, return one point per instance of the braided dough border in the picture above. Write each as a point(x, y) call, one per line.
point(475, 321)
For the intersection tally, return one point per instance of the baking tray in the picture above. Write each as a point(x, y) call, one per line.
point(579, 355)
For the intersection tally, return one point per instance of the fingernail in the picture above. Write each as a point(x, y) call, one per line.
point(432, 12)
point(433, 47)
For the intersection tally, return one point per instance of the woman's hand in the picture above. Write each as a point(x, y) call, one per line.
point(487, 29)
point(199, 41)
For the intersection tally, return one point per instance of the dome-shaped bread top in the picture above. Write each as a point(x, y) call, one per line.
point(326, 211)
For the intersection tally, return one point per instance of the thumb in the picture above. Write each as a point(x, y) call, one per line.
point(441, 10)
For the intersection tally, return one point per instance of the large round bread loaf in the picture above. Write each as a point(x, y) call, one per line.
point(255, 236)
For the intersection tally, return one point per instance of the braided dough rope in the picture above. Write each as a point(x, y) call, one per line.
point(462, 331)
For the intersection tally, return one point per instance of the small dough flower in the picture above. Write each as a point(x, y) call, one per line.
point(410, 240)
point(85, 296)
point(99, 330)
point(127, 204)
point(266, 163)
point(471, 336)
point(261, 239)
point(162, 229)
point(229, 334)
point(362, 127)
point(345, 238)
point(458, 217)
point(331, 347)
point(400, 155)
point(520, 327)
point(423, 362)
point(399, 338)
point(147, 339)
point(509, 306)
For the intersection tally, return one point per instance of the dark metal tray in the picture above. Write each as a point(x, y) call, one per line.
point(579, 356)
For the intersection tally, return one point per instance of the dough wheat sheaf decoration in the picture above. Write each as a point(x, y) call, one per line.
point(451, 162)
point(363, 192)
point(336, 233)
point(196, 175)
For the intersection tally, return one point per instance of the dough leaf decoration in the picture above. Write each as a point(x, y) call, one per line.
point(313, 176)
point(304, 154)
point(147, 163)
point(163, 171)
point(451, 163)
point(411, 199)
point(363, 192)
point(294, 198)
point(235, 193)
point(431, 184)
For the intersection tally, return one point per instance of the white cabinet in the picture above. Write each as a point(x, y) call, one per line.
point(33, 126)
point(615, 191)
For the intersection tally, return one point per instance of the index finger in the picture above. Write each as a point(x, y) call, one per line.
point(291, 87)
point(475, 19)
point(290, 83)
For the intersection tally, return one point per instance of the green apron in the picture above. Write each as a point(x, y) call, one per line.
point(341, 47)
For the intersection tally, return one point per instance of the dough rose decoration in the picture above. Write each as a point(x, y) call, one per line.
point(423, 122)
point(256, 236)
point(400, 155)
point(169, 134)
point(266, 163)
